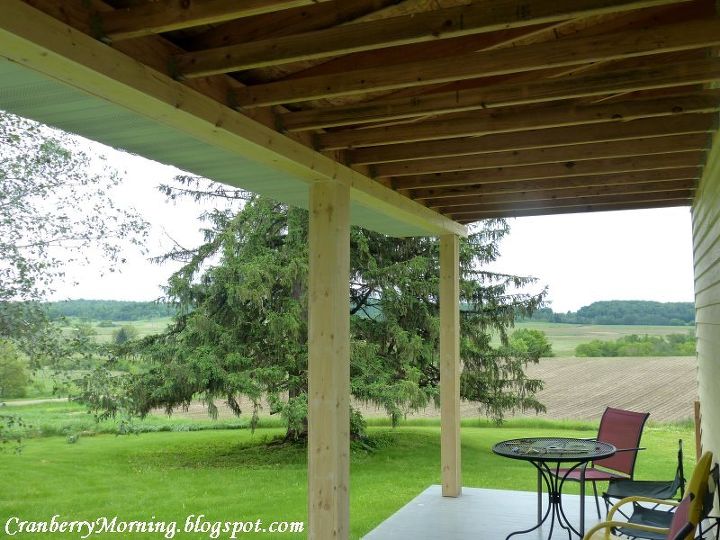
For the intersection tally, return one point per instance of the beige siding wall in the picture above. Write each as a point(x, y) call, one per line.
point(706, 242)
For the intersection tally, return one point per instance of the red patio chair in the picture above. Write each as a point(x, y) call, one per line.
point(623, 430)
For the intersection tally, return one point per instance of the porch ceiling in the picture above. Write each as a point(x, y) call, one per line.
point(434, 111)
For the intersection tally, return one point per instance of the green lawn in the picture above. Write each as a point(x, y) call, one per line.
point(233, 475)
point(565, 337)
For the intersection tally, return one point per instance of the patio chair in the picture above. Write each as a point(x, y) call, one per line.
point(655, 516)
point(622, 429)
point(619, 488)
point(684, 521)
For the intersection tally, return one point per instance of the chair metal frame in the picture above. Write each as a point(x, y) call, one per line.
point(699, 486)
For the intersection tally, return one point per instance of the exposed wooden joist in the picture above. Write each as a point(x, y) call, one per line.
point(167, 15)
point(51, 47)
point(544, 138)
point(283, 23)
point(431, 25)
point(527, 118)
point(579, 201)
point(595, 84)
point(513, 158)
point(476, 203)
point(564, 52)
point(466, 220)
point(459, 196)
point(550, 170)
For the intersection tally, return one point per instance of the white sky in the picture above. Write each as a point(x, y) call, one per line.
point(630, 255)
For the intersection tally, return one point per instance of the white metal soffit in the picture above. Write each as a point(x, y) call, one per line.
point(30, 94)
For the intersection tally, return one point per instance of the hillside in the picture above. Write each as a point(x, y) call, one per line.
point(625, 312)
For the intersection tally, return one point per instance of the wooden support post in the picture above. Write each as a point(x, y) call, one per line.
point(450, 365)
point(329, 362)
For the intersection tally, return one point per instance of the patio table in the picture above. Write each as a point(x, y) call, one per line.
point(546, 454)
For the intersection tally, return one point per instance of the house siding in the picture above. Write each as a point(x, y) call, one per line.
point(706, 260)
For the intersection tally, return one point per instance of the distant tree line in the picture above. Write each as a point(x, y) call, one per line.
point(109, 310)
point(634, 345)
point(627, 312)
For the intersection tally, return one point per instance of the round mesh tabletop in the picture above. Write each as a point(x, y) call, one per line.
point(554, 449)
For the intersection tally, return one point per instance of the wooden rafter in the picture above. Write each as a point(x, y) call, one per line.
point(594, 84)
point(557, 154)
point(283, 23)
point(566, 193)
point(167, 15)
point(478, 17)
point(585, 209)
point(511, 119)
point(564, 52)
point(578, 201)
point(550, 170)
point(452, 197)
point(543, 138)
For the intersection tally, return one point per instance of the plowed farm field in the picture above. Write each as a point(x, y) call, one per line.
point(579, 389)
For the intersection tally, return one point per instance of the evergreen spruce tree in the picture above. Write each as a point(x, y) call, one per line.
point(242, 323)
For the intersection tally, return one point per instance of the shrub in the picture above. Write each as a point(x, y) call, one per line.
point(13, 371)
point(124, 334)
point(535, 342)
point(634, 345)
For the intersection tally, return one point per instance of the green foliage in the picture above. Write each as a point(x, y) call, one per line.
point(57, 206)
point(626, 312)
point(124, 334)
point(109, 310)
point(535, 342)
point(242, 323)
point(13, 371)
point(634, 345)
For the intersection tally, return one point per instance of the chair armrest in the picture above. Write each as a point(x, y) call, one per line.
point(607, 525)
point(637, 498)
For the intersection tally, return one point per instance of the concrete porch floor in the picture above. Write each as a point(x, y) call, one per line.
point(482, 514)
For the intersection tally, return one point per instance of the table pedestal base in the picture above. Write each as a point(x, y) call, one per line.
point(555, 512)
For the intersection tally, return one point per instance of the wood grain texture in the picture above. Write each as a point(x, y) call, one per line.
point(329, 362)
point(502, 95)
point(521, 118)
point(564, 52)
point(450, 365)
point(542, 138)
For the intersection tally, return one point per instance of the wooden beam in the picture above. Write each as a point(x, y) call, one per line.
point(475, 203)
point(526, 118)
point(550, 170)
point(450, 366)
point(595, 84)
point(611, 149)
point(459, 196)
point(168, 15)
point(329, 362)
point(466, 220)
point(543, 138)
point(456, 212)
point(40, 42)
point(564, 52)
point(286, 22)
point(478, 17)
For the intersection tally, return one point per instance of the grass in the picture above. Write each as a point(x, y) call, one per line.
point(565, 337)
point(234, 475)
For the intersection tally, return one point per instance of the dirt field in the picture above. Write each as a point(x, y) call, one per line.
point(581, 388)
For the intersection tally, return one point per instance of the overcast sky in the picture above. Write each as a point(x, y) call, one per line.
point(638, 255)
